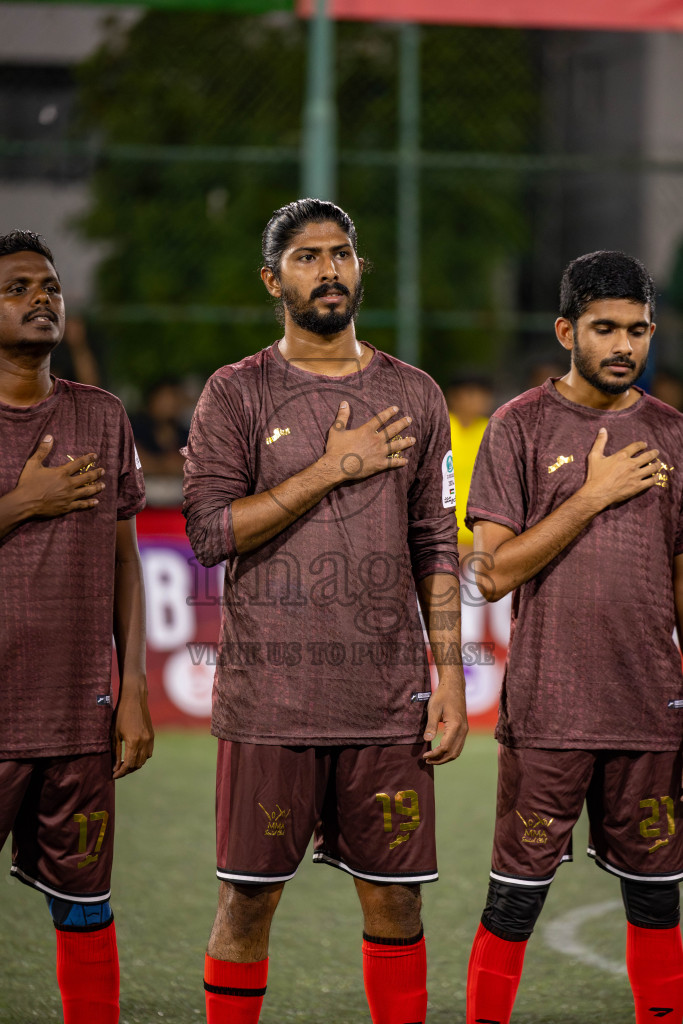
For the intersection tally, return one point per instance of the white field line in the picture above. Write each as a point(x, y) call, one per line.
point(562, 935)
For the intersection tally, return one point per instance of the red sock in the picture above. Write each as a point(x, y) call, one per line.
point(493, 978)
point(654, 958)
point(234, 992)
point(395, 976)
point(88, 975)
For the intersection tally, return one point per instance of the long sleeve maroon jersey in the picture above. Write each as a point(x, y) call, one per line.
point(321, 640)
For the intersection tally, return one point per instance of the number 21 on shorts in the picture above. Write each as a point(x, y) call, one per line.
point(650, 828)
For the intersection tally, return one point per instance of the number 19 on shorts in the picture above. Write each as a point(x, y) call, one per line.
point(404, 805)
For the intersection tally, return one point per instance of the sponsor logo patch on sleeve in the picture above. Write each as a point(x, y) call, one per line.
point(447, 481)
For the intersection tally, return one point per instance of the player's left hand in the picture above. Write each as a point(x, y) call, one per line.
point(133, 735)
point(447, 706)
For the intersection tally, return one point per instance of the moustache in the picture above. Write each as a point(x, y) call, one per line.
point(39, 312)
point(326, 289)
point(619, 362)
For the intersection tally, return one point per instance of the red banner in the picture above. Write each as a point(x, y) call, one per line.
point(642, 15)
point(183, 617)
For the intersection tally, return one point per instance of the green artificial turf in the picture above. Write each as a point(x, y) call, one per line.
point(164, 892)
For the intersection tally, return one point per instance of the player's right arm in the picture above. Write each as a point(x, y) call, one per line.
point(504, 560)
point(350, 455)
point(224, 520)
point(49, 491)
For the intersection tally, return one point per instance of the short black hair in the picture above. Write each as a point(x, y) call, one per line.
point(24, 241)
point(289, 220)
point(470, 379)
point(604, 274)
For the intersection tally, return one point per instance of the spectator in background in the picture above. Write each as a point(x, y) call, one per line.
point(540, 371)
point(667, 386)
point(469, 398)
point(160, 429)
point(75, 359)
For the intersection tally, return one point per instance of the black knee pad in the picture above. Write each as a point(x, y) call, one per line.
point(651, 904)
point(512, 910)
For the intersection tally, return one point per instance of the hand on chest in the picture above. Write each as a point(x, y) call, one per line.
point(291, 430)
point(566, 462)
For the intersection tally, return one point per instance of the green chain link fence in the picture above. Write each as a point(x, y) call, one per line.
point(188, 128)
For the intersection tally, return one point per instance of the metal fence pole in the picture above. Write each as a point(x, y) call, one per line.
point(408, 214)
point(319, 143)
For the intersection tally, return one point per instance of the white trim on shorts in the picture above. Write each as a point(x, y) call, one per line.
point(405, 879)
point(629, 875)
point(235, 876)
point(515, 880)
point(21, 876)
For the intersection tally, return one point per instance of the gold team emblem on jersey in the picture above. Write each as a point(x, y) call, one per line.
point(535, 829)
point(562, 460)
point(396, 455)
point(84, 469)
point(276, 820)
point(663, 475)
point(278, 433)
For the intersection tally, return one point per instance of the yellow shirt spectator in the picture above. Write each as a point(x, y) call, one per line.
point(465, 441)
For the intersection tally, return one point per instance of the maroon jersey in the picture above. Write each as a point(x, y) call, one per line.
point(57, 595)
point(321, 640)
point(592, 661)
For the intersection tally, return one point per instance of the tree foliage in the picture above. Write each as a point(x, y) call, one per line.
point(182, 226)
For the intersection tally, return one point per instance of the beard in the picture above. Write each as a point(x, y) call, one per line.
point(594, 377)
point(306, 316)
point(32, 348)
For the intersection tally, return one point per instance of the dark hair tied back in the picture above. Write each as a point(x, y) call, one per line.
point(289, 220)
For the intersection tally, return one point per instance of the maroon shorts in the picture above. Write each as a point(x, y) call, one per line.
point(371, 810)
point(60, 811)
point(633, 801)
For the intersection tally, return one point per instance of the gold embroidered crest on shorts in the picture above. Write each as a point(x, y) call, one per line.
point(535, 829)
point(276, 820)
